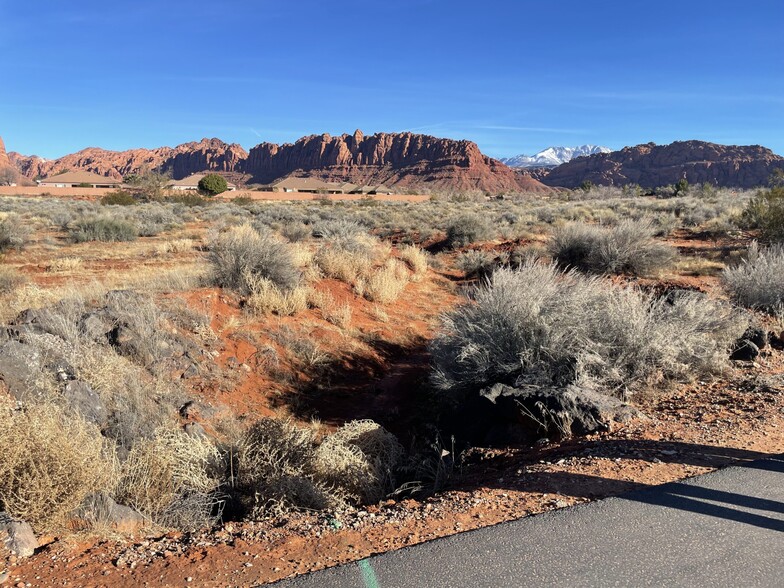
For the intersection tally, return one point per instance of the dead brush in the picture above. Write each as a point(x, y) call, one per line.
point(273, 470)
point(385, 284)
point(360, 458)
point(65, 264)
point(416, 260)
point(175, 246)
point(50, 462)
point(265, 297)
point(173, 479)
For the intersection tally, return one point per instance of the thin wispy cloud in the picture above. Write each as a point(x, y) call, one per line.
point(534, 129)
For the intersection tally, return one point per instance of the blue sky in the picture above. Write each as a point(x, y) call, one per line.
point(514, 76)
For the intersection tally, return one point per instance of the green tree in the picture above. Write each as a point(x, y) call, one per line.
point(586, 185)
point(213, 184)
point(681, 187)
point(149, 183)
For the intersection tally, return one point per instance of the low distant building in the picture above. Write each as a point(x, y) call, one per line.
point(307, 185)
point(192, 183)
point(79, 179)
point(382, 189)
point(315, 186)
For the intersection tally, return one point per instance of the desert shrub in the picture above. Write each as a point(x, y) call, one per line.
point(213, 184)
point(50, 462)
point(241, 253)
point(415, 259)
point(628, 247)
point(273, 463)
point(475, 262)
point(347, 258)
point(333, 229)
point(10, 279)
point(65, 264)
point(467, 229)
point(102, 228)
point(265, 297)
point(384, 284)
point(758, 281)
point(13, 233)
point(118, 198)
point(537, 325)
point(188, 199)
point(295, 231)
point(765, 211)
point(360, 458)
point(174, 479)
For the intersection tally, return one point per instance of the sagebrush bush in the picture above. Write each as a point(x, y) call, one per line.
point(49, 462)
point(467, 229)
point(102, 228)
point(540, 326)
point(13, 233)
point(628, 247)
point(241, 253)
point(758, 281)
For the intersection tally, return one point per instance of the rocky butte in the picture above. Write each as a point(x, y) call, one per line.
point(652, 165)
point(395, 159)
point(180, 161)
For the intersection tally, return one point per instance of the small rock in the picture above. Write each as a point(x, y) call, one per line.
point(17, 536)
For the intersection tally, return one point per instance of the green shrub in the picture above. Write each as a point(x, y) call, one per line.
point(188, 199)
point(119, 198)
point(765, 211)
point(103, 228)
point(213, 184)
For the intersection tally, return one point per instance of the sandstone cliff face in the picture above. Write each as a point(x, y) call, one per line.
point(181, 161)
point(652, 165)
point(394, 159)
point(402, 159)
point(4, 160)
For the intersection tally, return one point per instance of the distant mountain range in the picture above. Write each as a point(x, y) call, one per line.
point(409, 161)
point(553, 156)
point(402, 160)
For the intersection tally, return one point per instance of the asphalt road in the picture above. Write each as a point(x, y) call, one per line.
point(719, 530)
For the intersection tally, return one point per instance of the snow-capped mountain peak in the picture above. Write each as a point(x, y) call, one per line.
point(553, 156)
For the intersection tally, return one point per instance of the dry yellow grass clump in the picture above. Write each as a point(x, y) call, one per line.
point(49, 463)
point(416, 259)
point(65, 264)
point(172, 478)
point(385, 284)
